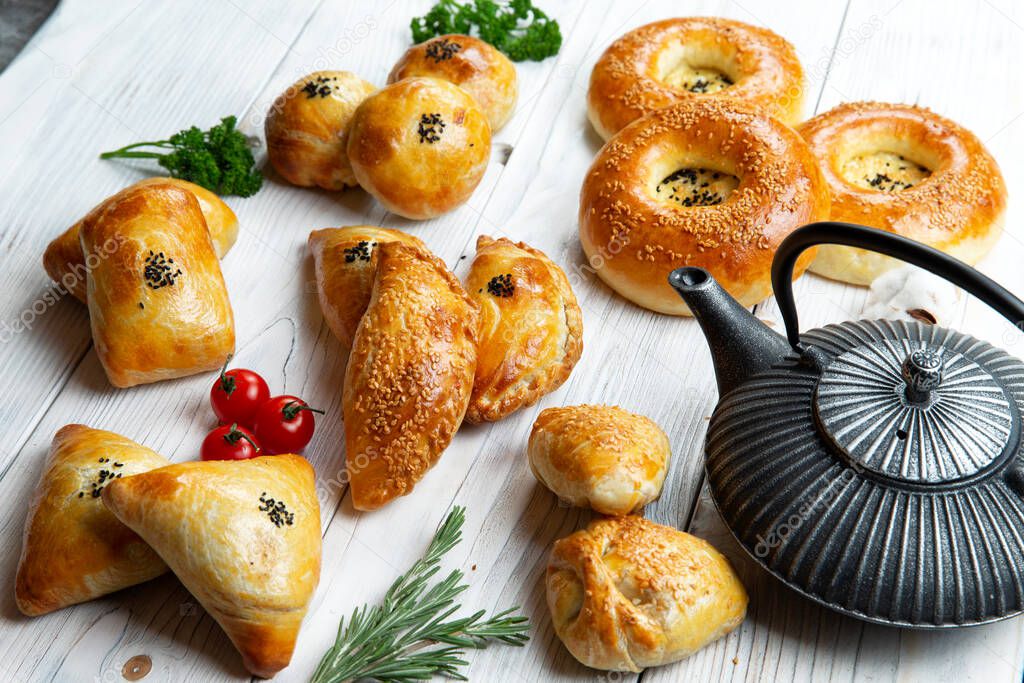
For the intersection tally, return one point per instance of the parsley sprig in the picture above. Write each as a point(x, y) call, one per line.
point(517, 28)
point(218, 159)
point(410, 636)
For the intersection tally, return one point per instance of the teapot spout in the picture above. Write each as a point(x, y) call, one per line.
point(741, 345)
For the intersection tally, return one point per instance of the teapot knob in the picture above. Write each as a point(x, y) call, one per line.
point(922, 372)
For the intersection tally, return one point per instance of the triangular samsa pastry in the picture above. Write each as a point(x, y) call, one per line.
point(531, 328)
point(75, 549)
point(344, 260)
point(65, 262)
point(409, 375)
point(244, 538)
point(157, 301)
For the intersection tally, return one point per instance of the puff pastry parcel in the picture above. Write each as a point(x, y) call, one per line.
point(345, 260)
point(74, 548)
point(626, 593)
point(409, 374)
point(66, 264)
point(244, 539)
point(601, 457)
point(157, 301)
point(531, 328)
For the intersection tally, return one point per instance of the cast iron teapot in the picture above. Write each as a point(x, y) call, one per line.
point(874, 466)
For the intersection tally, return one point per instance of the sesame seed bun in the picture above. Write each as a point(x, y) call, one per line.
point(636, 227)
point(909, 171)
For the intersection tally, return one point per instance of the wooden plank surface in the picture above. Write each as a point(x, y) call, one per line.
point(92, 81)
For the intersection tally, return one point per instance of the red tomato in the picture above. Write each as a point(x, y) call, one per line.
point(229, 443)
point(284, 424)
point(237, 394)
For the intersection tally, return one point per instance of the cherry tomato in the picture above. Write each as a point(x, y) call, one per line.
point(237, 394)
point(229, 443)
point(284, 424)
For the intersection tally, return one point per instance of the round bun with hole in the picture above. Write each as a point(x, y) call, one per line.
point(694, 58)
point(420, 146)
point(306, 129)
point(475, 66)
point(706, 182)
point(906, 170)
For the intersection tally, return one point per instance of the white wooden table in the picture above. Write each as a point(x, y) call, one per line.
point(95, 79)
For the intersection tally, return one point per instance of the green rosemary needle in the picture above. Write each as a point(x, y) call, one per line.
point(410, 635)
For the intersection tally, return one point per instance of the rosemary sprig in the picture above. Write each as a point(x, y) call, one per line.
point(408, 636)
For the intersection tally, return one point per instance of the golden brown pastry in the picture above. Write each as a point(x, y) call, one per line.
point(475, 66)
point(706, 182)
point(626, 594)
point(602, 457)
point(74, 549)
point(345, 260)
point(409, 375)
point(531, 328)
point(909, 171)
point(66, 264)
point(242, 536)
point(676, 60)
point(307, 125)
point(157, 302)
point(420, 146)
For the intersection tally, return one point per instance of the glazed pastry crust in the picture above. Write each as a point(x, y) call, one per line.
point(626, 594)
point(307, 128)
point(638, 237)
point(475, 66)
point(65, 263)
point(959, 208)
point(531, 328)
point(416, 168)
point(74, 549)
point(145, 331)
point(409, 375)
point(628, 81)
point(253, 574)
point(345, 260)
point(602, 457)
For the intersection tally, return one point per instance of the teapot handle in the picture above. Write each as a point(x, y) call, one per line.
point(872, 239)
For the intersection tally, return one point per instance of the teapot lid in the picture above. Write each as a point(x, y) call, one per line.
point(887, 482)
point(913, 411)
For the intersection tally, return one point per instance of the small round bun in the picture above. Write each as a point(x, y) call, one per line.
point(694, 58)
point(307, 125)
point(626, 594)
point(909, 171)
point(420, 146)
point(475, 66)
point(706, 182)
point(601, 457)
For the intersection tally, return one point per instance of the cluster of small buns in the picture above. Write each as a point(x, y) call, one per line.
point(702, 169)
point(420, 145)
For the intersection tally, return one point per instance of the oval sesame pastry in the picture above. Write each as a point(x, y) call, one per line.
point(626, 593)
point(307, 125)
point(601, 457)
point(475, 66)
point(675, 60)
point(420, 146)
point(409, 375)
point(909, 171)
point(708, 183)
point(531, 327)
point(65, 262)
point(344, 260)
